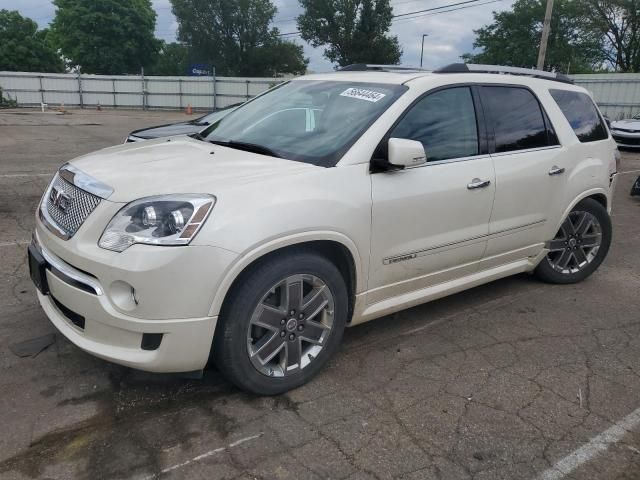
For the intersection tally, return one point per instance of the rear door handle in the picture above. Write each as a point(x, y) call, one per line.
point(555, 170)
point(477, 183)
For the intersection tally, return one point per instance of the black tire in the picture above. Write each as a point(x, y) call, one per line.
point(230, 348)
point(545, 270)
point(635, 188)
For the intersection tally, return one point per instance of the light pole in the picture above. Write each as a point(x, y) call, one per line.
point(422, 50)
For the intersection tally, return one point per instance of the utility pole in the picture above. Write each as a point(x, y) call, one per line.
point(545, 35)
point(422, 51)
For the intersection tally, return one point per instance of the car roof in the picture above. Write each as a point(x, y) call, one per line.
point(397, 78)
point(455, 73)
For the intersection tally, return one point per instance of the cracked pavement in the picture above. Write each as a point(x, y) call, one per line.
point(498, 382)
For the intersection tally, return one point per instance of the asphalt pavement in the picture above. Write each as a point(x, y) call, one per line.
point(512, 380)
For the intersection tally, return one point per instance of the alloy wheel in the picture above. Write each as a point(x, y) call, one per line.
point(576, 244)
point(290, 325)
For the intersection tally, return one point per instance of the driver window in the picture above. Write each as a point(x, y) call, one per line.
point(445, 123)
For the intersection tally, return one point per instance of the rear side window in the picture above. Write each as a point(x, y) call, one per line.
point(445, 123)
point(517, 119)
point(582, 115)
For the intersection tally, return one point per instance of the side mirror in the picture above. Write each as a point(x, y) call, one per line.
point(406, 153)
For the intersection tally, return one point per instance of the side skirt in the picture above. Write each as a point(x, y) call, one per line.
point(364, 313)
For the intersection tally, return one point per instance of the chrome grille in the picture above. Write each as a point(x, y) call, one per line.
point(69, 214)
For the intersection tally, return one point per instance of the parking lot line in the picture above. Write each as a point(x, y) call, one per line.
point(597, 445)
point(13, 244)
point(203, 456)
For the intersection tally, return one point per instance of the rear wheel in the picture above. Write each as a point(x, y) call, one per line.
point(282, 323)
point(579, 247)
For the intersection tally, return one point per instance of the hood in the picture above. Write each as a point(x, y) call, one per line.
point(629, 124)
point(183, 128)
point(180, 165)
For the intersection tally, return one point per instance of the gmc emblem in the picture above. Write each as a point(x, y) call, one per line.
point(60, 199)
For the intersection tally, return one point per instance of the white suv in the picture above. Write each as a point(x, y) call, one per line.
point(328, 201)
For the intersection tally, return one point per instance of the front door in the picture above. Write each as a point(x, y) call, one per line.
point(430, 223)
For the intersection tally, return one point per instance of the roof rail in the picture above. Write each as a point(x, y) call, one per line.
point(474, 68)
point(365, 67)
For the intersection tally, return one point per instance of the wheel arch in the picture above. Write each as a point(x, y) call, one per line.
point(598, 194)
point(335, 246)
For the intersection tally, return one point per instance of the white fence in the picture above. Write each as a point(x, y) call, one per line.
point(130, 91)
point(617, 94)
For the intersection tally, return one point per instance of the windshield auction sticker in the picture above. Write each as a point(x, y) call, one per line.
point(362, 94)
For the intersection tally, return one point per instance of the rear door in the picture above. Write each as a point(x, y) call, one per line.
point(531, 172)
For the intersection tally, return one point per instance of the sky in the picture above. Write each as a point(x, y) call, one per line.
point(450, 34)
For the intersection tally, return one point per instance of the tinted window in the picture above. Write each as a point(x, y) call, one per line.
point(445, 123)
point(581, 114)
point(551, 132)
point(517, 120)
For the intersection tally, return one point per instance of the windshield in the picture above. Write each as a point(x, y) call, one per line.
point(215, 116)
point(306, 120)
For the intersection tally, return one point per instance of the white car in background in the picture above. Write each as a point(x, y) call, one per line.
point(626, 132)
point(330, 200)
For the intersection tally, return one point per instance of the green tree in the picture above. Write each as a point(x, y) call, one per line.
point(23, 48)
point(353, 31)
point(172, 60)
point(616, 24)
point(106, 36)
point(236, 36)
point(514, 38)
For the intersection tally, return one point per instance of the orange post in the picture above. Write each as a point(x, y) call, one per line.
point(189, 110)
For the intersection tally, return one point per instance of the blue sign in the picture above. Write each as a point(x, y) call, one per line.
point(199, 70)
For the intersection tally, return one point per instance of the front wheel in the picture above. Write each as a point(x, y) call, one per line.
point(283, 321)
point(580, 245)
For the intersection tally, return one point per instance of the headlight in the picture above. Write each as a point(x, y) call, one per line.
point(162, 220)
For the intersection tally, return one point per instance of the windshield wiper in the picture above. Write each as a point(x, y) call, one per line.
point(197, 136)
point(247, 147)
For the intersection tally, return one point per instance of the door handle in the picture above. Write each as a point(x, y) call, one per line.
point(477, 183)
point(556, 170)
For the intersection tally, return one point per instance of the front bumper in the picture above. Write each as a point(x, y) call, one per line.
point(87, 303)
point(184, 346)
point(626, 139)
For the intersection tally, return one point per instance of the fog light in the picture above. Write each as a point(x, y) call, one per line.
point(123, 295)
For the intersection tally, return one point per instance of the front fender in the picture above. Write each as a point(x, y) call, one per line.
point(258, 251)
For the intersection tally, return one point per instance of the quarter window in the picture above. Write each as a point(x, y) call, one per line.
point(445, 123)
point(518, 122)
point(582, 115)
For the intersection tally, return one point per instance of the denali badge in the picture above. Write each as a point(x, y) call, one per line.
point(400, 258)
point(60, 199)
